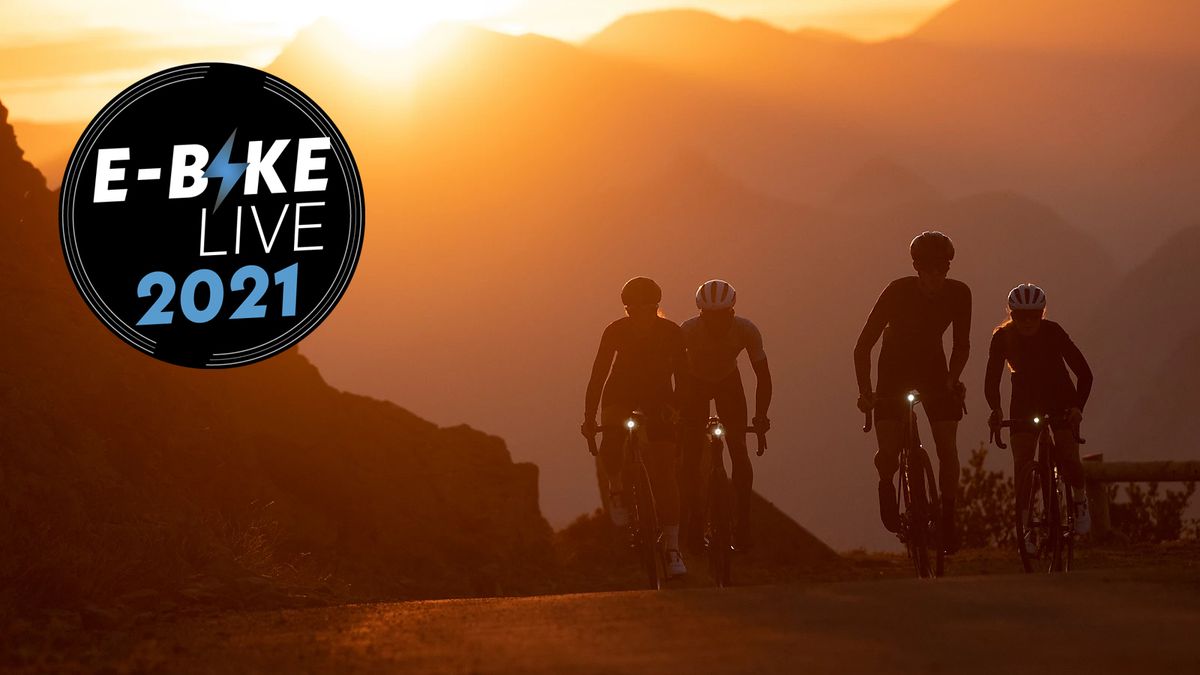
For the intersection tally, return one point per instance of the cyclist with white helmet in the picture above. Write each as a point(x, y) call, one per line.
point(911, 315)
point(714, 339)
point(1038, 352)
point(639, 356)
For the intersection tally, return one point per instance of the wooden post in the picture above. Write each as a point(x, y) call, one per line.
point(1097, 495)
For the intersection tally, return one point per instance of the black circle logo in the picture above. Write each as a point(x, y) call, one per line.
point(211, 215)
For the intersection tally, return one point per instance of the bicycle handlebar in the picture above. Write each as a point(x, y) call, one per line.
point(995, 437)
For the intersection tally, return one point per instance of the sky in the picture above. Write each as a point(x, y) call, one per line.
point(60, 60)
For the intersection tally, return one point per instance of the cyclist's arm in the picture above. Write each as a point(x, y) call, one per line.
point(994, 371)
point(762, 372)
point(876, 322)
point(763, 391)
point(1079, 365)
point(600, 368)
point(962, 337)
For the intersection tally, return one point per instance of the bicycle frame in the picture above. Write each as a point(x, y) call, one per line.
point(1054, 532)
point(916, 496)
point(719, 521)
point(644, 528)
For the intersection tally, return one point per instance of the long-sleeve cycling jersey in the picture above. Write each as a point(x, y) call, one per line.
point(1040, 382)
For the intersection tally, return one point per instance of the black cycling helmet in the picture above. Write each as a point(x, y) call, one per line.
point(641, 291)
point(931, 247)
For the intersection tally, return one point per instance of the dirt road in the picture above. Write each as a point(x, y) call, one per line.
point(1123, 620)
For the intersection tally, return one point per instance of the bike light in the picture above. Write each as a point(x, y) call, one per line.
point(718, 431)
point(630, 424)
point(1037, 420)
point(912, 398)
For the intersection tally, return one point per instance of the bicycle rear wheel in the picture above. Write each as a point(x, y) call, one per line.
point(647, 526)
point(718, 533)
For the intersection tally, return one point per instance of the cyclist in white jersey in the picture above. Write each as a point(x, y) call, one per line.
point(714, 339)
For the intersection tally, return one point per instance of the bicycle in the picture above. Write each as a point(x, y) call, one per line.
point(718, 527)
point(917, 498)
point(1049, 505)
point(643, 523)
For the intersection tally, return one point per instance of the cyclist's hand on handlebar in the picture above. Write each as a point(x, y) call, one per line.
point(995, 418)
point(761, 424)
point(589, 428)
point(866, 402)
point(1075, 417)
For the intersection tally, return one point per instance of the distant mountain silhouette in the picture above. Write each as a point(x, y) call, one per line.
point(1145, 342)
point(880, 185)
point(120, 473)
point(1161, 28)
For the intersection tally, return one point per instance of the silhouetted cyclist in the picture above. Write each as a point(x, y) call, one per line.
point(1038, 352)
point(912, 314)
point(648, 352)
point(714, 340)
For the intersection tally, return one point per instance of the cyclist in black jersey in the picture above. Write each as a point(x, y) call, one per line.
point(640, 355)
point(1038, 352)
point(912, 314)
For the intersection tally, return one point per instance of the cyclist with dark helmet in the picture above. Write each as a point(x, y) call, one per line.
point(912, 314)
point(1038, 352)
point(639, 366)
point(714, 341)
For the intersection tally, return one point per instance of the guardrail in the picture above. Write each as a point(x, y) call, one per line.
point(1097, 473)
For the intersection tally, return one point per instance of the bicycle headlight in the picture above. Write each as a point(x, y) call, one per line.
point(718, 430)
point(912, 398)
point(1037, 420)
point(631, 424)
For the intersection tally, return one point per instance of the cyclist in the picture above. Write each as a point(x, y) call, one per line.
point(714, 340)
point(912, 314)
point(644, 352)
point(1038, 352)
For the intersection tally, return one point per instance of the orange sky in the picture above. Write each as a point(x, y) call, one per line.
point(60, 60)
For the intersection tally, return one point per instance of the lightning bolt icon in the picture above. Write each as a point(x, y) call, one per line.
point(228, 172)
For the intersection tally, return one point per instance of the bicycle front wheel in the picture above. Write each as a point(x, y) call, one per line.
point(1031, 519)
point(718, 533)
point(647, 526)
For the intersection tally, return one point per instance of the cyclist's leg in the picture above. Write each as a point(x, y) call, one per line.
point(612, 459)
point(1066, 453)
point(1024, 445)
point(944, 411)
point(889, 434)
point(730, 402)
point(690, 474)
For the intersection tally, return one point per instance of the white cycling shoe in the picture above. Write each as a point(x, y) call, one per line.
point(1083, 517)
point(675, 566)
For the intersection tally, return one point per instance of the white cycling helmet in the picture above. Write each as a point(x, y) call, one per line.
point(1026, 296)
point(715, 295)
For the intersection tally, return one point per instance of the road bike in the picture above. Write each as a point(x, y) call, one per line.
point(718, 528)
point(644, 532)
point(1046, 518)
point(917, 498)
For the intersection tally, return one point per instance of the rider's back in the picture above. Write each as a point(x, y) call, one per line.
point(647, 351)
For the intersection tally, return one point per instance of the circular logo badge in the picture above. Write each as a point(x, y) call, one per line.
point(211, 215)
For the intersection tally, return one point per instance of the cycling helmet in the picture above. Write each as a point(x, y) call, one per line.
point(1026, 296)
point(931, 247)
point(641, 291)
point(715, 295)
